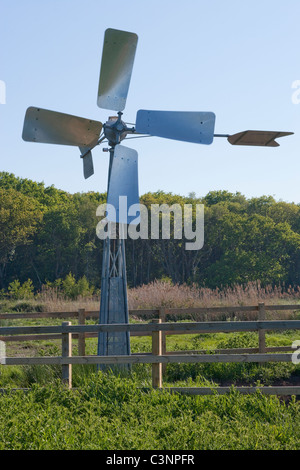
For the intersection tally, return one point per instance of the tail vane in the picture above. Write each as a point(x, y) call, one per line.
point(257, 138)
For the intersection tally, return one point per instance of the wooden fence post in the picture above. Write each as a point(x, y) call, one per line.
point(66, 348)
point(81, 336)
point(162, 316)
point(156, 350)
point(261, 333)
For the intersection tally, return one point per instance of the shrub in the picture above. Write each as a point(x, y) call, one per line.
point(69, 287)
point(239, 340)
point(27, 307)
point(17, 291)
point(73, 289)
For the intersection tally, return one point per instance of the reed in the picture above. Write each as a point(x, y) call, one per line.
point(165, 294)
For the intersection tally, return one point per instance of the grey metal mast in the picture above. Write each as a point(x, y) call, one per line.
point(113, 298)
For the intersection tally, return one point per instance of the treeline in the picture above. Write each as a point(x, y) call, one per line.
point(47, 233)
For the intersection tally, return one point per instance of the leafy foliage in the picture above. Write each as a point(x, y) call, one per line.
point(46, 233)
point(18, 291)
point(113, 413)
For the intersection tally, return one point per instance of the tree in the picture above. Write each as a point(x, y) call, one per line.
point(46, 233)
point(19, 218)
point(254, 248)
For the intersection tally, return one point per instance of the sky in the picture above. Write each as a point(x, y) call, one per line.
point(237, 59)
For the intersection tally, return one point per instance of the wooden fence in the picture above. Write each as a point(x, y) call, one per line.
point(158, 329)
point(82, 315)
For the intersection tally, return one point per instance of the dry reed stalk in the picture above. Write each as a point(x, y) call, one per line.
point(164, 294)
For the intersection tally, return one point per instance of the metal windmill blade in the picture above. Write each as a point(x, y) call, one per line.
point(123, 190)
point(116, 67)
point(196, 127)
point(52, 127)
point(88, 166)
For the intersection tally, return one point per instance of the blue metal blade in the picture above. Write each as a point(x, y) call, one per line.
point(196, 127)
point(123, 188)
point(116, 68)
point(52, 127)
point(88, 166)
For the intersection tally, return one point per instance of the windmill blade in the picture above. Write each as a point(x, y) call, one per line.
point(87, 159)
point(196, 127)
point(123, 183)
point(52, 127)
point(257, 138)
point(116, 68)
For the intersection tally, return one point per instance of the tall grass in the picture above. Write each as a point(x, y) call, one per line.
point(158, 293)
point(110, 413)
point(165, 294)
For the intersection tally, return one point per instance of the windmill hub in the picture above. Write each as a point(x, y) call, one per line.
point(115, 130)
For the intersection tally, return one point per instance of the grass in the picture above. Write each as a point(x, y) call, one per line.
point(113, 413)
point(162, 294)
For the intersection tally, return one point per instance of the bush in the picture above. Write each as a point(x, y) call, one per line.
point(17, 291)
point(239, 340)
point(73, 290)
point(27, 307)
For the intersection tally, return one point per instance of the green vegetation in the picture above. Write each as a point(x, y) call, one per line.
point(113, 413)
point(108, 411)
point(50, 259)
point(46, 233)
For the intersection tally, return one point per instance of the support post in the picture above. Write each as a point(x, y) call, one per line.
point(157, 350)
point(66, 348)
point(81, 336)
point(261, 333)
point(162, 316)
point(113, 303)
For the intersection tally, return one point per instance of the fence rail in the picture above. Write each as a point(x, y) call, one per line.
point(159, 313)
point(168, 328)
point(158, 330)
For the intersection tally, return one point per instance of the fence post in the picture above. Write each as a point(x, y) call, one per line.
point(162, 316)
point(81, 336)
point(156, 350)
point(261, 333)
point(66, 349)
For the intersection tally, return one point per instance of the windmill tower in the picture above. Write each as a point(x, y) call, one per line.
point(45, 126)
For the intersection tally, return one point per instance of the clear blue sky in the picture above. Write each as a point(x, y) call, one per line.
point(235, 58)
